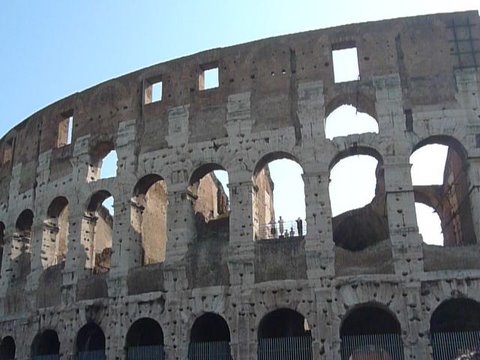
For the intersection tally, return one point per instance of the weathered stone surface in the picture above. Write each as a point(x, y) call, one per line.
point(177, 248)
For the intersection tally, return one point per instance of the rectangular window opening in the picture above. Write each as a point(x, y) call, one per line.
point(65, 129)
point(153, 90)
point(345, 63)
point(208, 78)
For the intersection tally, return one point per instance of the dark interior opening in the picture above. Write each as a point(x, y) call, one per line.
point(210, 327)
point(369, 320)
point(145, 332)
point(7, 348)
point(90, 338)
point(46, 343)
point(282, 323)
point(456, 315)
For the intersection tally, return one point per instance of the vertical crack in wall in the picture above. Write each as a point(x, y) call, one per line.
point(293, 94)
point(402, 70)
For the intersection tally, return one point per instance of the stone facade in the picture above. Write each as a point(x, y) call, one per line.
point(419, 78)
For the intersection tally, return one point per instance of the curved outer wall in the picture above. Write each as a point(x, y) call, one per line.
point(273, 97)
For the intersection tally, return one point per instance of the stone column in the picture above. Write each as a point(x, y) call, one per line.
point(6, 264)
point(468, 95)
point(80, 251)
point(180, 233)
point(406, 242)
point(319, 246)
point(35, 247)
point(416, 342)
point(241, 262)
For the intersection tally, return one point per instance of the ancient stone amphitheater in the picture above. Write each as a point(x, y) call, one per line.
point(179, 269)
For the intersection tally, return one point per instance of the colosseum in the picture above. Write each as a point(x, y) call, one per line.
point(179, 268)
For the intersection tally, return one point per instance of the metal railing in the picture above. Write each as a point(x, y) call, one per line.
point(286, 348)
point(283, 229)
point(213, 350)
point(46, 357)
point(452, 345)
point(153, 352)
point(372, 347)
point(91, 355)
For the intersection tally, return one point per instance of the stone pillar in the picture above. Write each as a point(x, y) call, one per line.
point(80, 251)
point(474, 180)
point(241, 262)
point(35, 247)
point(126, 243)
point(319, 246)
point(468, 95)
point(406, 242)
point(6, 263)
point(326, 333)
point(416, 342)
point(180, 233)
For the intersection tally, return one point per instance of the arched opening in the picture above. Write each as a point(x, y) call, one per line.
point(145, 340)
point(440, 180)
point(209, 338)
point(455, 328)
point(357, 198)
point(370, 332)
point(284, 334)
point(279, 198)
point(429, 224)
point(209, 197)
point(98, 229)
point(46, 346)
point(7, 348)
point(55, 233)
point(103, 161)
point(149, 217)
point(90, 343)
point(347, 120)
point(21, 245)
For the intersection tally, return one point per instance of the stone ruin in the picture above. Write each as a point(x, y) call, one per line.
point(180, 269)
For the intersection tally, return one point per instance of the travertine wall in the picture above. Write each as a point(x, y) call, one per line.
point(272, 102)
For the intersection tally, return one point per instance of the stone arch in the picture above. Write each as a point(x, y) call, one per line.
point(142, 334)
point(149, 217)
point(362, 338)
point(55, 232)
point(90, 340)
point(21, 242)
point(97, 227)
point(210, 202)
point(98, 153)
point(272, 156)
point(360, 100)
point(366, 225)
point(266, 222)
point(455, 328)
point(347, 120)
point(284, 331)
point(7, 348)
point(209, 338)
point(356, 150)
point(451, 199)
point(45, 343)
point(456, 314)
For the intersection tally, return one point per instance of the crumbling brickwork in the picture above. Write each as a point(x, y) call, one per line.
point(167, 271)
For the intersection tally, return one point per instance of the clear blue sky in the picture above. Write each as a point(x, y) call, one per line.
point(53, 48)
